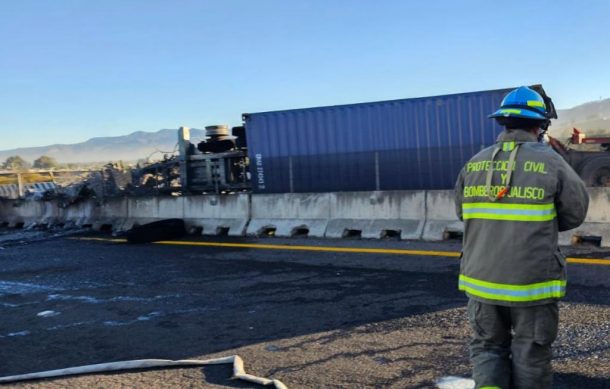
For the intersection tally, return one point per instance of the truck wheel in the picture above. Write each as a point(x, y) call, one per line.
point(596, 171)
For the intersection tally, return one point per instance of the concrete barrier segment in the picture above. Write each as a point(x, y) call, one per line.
point(287, 227)
point(113, 213)
point(377, 214)
point(51, 213)
point(289, 214)
point(599, 205)
point(441, 219)
point(26, 214)
point(8, 214)
point(597, 222)
point(81, 213)
point(31, 213)
point(216, 214)
point(143, 210)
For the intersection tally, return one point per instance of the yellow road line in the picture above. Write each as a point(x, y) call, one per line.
point(297, 248)
point(363, 250)
point(316, 248)
point(589, 261)
point(103, 240)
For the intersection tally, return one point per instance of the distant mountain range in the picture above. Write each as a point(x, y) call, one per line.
point(592, 118)
point(135, 146)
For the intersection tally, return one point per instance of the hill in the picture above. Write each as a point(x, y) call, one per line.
point(137, 145)
point(593, 118)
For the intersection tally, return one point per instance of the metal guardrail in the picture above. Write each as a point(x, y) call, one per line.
point(14, 191)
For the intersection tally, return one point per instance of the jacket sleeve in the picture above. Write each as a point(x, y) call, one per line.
point(459, 194)
point(572, 199)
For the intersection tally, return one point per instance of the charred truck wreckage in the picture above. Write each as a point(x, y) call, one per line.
point(218, 164)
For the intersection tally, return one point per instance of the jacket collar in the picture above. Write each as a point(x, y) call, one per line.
point(516, 136)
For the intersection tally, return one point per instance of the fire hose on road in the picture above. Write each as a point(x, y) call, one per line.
point(238, 369)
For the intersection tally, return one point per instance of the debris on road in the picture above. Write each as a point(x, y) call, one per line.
point(452, 382)
point(47, 313)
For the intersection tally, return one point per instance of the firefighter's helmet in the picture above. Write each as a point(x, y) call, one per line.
point(524, 103)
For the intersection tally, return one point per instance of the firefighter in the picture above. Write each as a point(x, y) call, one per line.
point(514, 198)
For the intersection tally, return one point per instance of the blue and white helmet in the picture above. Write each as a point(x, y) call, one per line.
point(524, 103)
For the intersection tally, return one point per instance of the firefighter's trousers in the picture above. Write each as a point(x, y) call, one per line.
point(511, 346)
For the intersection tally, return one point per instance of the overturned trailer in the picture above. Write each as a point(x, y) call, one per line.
point(406, 144)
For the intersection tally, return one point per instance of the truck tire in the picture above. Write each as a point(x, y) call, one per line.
point(596, 171)
point(160, 230)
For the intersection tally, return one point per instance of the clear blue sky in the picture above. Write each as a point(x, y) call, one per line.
point(71, 70)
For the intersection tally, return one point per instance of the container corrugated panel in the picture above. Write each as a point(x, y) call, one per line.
point(409, 144)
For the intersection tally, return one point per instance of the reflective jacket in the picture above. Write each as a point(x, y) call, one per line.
point(512, 212)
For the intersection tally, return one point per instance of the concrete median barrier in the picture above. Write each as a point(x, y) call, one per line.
point(217, 215)
point(441, 221)
point(8, 215)
point(30, 213)
point(113, 215)
point(80, 214)
point(405, 214)
point(27, 214)
point(596, 228)
point(376, 214)
point(151, 209)
point(289, 214)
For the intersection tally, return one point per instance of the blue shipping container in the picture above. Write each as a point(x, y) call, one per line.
point(410, 144)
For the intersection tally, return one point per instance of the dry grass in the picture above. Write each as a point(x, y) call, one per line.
point(28, 178)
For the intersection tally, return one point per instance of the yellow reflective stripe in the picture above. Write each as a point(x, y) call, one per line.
point(516, 218)
point(537, 285)
point(509, 212)
point(510, 292)
point(539, 207)
point(490, 387)
point(535, 103)
point(510, 110)
point(508, 146)
point(507, 297)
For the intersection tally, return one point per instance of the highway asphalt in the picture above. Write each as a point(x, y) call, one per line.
point(312, 313)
